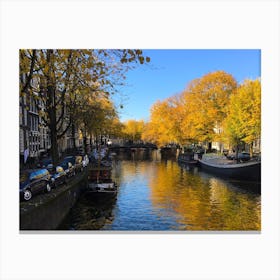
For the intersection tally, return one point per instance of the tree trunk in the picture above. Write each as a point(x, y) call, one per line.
point(251, 149)
point(54, 145)
point(53, 129)
point(236, 153)
point(51, 110)
point(85, 140)
point(90, 142)
point(73, 135)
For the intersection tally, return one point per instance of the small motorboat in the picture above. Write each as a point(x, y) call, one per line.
point(104, 186)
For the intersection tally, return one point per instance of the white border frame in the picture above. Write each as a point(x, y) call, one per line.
point(146, 24)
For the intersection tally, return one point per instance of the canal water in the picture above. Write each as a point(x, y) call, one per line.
point(158, 194)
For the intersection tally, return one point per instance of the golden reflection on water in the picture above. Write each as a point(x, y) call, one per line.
point(202, 203)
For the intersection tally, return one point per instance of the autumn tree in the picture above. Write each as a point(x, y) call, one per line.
point(180, 120)
point(193, 115)
point(206, 100)
point(163, 125)
point(101, 118)
point(63, 74)
point(243, 122)
point(133, 129)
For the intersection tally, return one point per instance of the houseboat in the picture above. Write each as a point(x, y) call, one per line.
point(250, 170)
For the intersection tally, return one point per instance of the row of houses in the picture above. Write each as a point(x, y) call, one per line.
point(34, 136)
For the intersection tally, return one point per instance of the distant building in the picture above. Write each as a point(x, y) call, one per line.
point(34, 138)
point(23, 129)
point(220, 146)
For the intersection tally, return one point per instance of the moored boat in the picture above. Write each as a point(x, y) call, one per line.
point(108, 186)
point(187, 158)
point(99, 180)
point(250, 170)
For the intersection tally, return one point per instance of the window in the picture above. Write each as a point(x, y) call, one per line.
point(20, 115)
point(21, 140)
point(25, 116)
point(31, 123)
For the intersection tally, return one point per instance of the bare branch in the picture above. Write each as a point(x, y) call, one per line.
point(29, 77)
point(59, 136)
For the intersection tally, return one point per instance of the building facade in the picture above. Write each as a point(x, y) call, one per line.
point(34, 138)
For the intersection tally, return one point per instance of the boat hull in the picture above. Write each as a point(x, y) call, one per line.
point(187, 159)
point(102, 187)
point(189, 162)
point(242, 171)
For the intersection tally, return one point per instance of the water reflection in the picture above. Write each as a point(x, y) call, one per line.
point(158, 194)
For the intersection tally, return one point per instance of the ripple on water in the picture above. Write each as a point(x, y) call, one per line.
point(161, 195)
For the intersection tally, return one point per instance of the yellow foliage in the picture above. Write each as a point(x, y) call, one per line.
point(206, 100)
point(162, 127)
point(133, 129)
point(210, 102)
point(243, 122)
point(192, 115)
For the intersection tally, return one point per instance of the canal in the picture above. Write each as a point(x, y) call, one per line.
point(158, 194)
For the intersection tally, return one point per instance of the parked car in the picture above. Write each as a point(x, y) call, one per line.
point(244, 156)
point(50, 167)
point(68, 168)
point(77, 162)
point(241, 156)
point(58, 176)
point(44, 163)
point(33, 182)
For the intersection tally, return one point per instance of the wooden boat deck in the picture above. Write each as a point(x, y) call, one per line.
point(222, 161)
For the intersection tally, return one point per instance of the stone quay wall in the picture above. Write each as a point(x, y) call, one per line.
point(47, 211)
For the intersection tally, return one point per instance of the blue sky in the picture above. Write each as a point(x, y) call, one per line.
point(170, 71)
